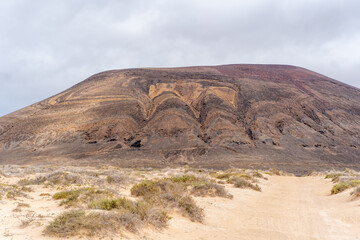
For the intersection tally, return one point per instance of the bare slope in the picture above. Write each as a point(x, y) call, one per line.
point(232, 115)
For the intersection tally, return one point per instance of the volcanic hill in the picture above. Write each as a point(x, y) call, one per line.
point(221, 116)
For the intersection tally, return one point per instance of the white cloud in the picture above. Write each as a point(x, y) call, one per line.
point(47, 46)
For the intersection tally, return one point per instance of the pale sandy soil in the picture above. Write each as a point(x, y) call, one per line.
point(287, 208)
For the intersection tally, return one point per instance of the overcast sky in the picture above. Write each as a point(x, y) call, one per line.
point(48, 46)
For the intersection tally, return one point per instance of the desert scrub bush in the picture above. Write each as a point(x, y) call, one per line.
point(78, 222)
point(223, 175)
point(109, 204)
point(144, 188)
point(115, 177)
point(141, 209)
point(241, 179)
point(195, 185)
point(82, 195)
point(356, 192)
point(210, 189)
point(12, 191)
point(63, 178)
point(257, 174)
point(45, 195)
point(188, 207)
point(228, 175)
point(188, 179)
point(334, 176)
point(342, 186)
point(56, 178)
point(275, 171)
point(169, 193)
point(72, 223)
point(36, 181)
point(242, 183)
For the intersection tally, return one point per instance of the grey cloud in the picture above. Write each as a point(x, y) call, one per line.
point(47, 46)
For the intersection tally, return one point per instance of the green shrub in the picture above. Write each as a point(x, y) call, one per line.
point(334, 176)
point(145, 188)
point(67, 224)
point(167, 192)
point(224, 175)
point(184, 179)
point(115, 178)
point(109, 204)
point(189, 208)
point(242, 183)
point(82, 195)
point(257, 175)
point(275, 171)
point(143, 210)
point(35, 181)
point(356, 192)
point(342, 186)
point(211, 190)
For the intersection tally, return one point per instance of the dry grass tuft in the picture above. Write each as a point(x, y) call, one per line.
point(356, 192)
point(20, 206)
point(242, 183)
point(334, 176)
point(81, 195)
point(13, 191)
point(275, 171)
point(241, 178)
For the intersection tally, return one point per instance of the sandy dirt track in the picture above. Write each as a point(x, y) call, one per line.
point(288, 208)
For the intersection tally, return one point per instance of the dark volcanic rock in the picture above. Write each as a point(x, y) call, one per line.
point(222, 116)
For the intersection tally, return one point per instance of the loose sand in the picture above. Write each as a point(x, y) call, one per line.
point(287, 208)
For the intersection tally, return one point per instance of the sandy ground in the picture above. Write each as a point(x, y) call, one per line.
point(287, 208)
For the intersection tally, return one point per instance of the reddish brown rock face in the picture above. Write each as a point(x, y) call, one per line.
point(232, 115)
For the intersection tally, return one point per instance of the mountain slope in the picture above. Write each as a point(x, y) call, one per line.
point(220, 116)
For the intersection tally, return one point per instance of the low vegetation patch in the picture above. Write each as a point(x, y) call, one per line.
point(275, 171)
point(334, 176)
point(175, 193)
point(168, 194)
point(140, 209)
point(79, 222)
point(356, 192)
point(81, 195)
point(344, 180)
point(13, 191)
point(241, 179)
point(342, 186)
point(56, 178)
point(74, 222)
point(242, 183)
